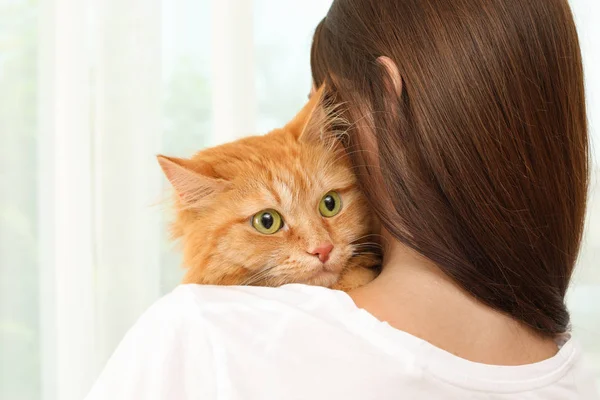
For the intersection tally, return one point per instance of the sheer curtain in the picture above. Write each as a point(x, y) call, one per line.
point(90, 92)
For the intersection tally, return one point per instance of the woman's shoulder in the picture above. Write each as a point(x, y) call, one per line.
point(214, 304)
point(211, 307)
point(205, 298)
point(203, 341)
point(282, 316)
point(235, 294)
point(246, 298)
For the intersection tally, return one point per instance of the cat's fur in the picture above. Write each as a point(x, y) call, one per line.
point(289, 170)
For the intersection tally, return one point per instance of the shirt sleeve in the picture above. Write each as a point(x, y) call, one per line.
point(167, 354)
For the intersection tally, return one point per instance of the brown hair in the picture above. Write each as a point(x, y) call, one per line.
point(484, 154)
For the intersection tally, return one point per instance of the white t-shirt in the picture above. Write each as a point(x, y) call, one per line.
point(304, 342)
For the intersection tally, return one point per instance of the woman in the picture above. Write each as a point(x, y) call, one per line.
point(469, 135)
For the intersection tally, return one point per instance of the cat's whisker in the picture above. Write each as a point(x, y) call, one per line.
point(366, 243)
point(258, 276)
point(375, 248)
point(368, 235)
point(366, 257)
point(371, 249)
point(357, 253)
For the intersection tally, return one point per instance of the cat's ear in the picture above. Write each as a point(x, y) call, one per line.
point(317, 120)
point(192, 184)
point(301, 120)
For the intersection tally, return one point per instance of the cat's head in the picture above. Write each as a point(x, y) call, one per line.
point(274, 209)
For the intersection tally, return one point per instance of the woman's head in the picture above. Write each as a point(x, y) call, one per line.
point(480, 137)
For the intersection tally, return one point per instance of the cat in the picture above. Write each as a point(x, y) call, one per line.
point(275, 209)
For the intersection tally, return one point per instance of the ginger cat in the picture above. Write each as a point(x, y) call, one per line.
point(274, 209)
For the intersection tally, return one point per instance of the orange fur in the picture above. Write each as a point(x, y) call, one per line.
point(289, 170)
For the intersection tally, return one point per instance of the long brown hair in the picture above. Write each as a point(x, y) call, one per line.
point(484, 154)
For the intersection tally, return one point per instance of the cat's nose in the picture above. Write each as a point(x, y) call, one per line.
point(322, 251)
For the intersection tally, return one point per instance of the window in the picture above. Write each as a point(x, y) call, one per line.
point(19, 269)
point(90, 92)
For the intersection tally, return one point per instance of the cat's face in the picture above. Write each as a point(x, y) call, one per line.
point(269, 210)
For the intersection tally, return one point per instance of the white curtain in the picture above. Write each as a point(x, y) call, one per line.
point(90, 92)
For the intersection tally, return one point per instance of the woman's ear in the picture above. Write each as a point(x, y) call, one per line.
point(393, 75)
point(192, 186)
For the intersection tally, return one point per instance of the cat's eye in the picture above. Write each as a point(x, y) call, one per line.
point(267, 222)
point(330, 205)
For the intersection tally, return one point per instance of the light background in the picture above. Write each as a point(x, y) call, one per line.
point(90, 91)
